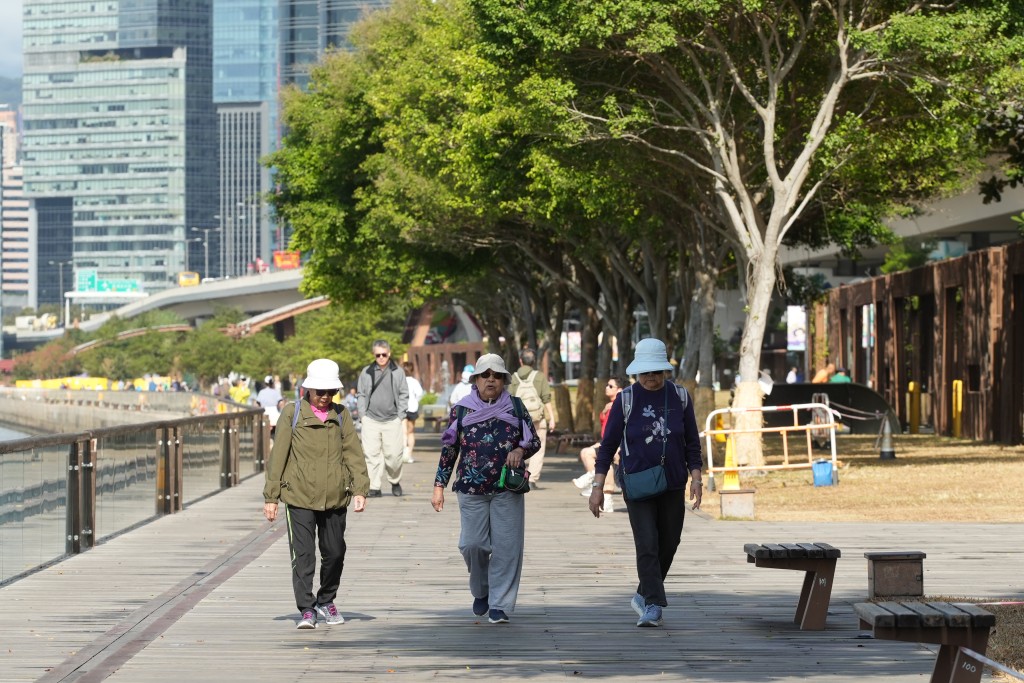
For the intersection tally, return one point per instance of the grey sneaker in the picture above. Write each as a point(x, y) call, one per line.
point(651, 616)
point(637, 603)
point(308, 620)
point(330, 614)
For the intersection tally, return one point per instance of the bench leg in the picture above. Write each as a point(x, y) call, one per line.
point(812, 608)
point(949, 668)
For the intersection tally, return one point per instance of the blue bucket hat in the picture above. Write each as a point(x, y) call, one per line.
point(649, 356)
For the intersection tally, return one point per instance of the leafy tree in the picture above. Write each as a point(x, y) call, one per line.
point(783, 107)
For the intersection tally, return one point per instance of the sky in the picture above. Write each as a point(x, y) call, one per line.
point(10, 38)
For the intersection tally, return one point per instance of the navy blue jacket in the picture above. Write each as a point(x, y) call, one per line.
point(650, 426)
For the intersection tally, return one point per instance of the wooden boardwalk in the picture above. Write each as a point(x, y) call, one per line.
point(205, 595)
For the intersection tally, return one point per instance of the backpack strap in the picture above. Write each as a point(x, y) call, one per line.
point(295, 416)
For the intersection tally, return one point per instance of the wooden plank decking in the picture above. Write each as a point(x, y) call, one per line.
point(205, 595)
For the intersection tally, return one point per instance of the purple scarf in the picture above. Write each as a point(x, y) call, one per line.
point(481, 411)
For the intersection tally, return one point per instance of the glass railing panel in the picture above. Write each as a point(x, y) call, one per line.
point(33, 508)
point(248, 433)
point(201, 460)
point(126, 480)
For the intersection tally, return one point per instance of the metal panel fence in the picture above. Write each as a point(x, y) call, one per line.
point(62, 494)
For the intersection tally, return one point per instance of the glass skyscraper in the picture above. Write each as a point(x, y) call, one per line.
point(120, 137)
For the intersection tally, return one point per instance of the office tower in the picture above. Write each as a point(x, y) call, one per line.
point(14, 242)
point(311, 27)
point(245, 88)
point(119, 140)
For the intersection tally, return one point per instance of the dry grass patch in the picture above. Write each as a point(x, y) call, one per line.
point(932, 479)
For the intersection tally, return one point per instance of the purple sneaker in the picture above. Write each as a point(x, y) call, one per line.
point(308, 620)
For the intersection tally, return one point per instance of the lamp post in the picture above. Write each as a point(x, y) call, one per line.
point(60, 280)
point(206, 247)
point(188, 242)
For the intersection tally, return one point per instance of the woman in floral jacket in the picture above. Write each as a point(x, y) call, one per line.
point(486, 430)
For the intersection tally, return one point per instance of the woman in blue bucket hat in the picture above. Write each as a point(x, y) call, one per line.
point(654, 424)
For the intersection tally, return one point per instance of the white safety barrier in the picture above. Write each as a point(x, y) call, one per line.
point(822, 418)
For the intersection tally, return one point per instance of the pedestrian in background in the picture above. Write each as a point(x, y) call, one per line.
point(531, 386)
point(661, 429)
point(316, 469)
point(383, 397)
point(412, 411)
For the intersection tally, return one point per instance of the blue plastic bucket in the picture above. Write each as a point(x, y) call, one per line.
point(822, 472)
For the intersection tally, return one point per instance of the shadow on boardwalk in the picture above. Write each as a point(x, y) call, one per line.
point(205, 595)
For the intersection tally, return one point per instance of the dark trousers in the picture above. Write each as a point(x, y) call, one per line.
point(657, 527)
point(303, 528)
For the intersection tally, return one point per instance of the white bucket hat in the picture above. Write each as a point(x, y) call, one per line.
point(492, 362)
point(322, 374)
point(649, 356)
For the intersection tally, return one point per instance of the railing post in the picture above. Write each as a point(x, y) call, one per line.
point(88, 491)
point(263, 444)
point(73, 539)
point(229, 454)
point(176, 469)
point(164, 474)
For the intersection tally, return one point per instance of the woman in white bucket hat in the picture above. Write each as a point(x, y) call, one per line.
point(653, 422)
point(316, 468)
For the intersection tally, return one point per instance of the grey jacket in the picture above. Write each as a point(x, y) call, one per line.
point(389, 400)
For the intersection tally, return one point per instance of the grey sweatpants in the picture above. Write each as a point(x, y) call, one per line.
point(491, 542)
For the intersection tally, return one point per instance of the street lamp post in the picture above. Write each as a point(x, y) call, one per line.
point(206, 248)
point(60, 280)
point(188, 242)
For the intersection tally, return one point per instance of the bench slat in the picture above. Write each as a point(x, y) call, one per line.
point(929, 615)
point(776, 550)
point(830, 551)
point(812, 550)
point(875, 614)
point(980, 617)
point(955, 617)
point(795, 550)
point(905, 617)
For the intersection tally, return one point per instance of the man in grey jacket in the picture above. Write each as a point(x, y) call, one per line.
point(383, 397)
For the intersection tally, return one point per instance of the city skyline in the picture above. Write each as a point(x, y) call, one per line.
point(10, 39)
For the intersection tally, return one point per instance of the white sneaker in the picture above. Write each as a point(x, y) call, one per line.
point(584, 481)
point(609, 505)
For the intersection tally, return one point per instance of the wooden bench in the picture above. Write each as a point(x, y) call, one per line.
point(948, 625)
point(818, 560)
point(434, 416)
point(572, 440)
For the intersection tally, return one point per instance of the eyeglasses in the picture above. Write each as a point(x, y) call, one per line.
point(325, 392)
point(653, 372)
point(382, 355)
point(487, 374)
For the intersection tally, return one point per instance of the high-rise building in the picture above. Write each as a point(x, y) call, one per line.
point(119, 139)
point(245, 87)
point(311, 27)
point(14, 235)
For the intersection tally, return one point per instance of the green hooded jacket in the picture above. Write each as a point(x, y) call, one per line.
point(318, 465)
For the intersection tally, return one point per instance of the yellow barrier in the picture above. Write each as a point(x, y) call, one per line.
point(914, 400)
point(732, 476)
point(958, 407)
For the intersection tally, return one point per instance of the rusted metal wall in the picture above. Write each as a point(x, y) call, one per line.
point(960, 319)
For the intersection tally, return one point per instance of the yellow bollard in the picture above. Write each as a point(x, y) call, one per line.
point(958, 407)
point(914, 407)
point(732, 477)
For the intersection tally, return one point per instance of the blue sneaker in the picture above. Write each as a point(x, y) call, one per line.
point(651, 616)
point(480, 606)
point(497, 616)
point(637, 603)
